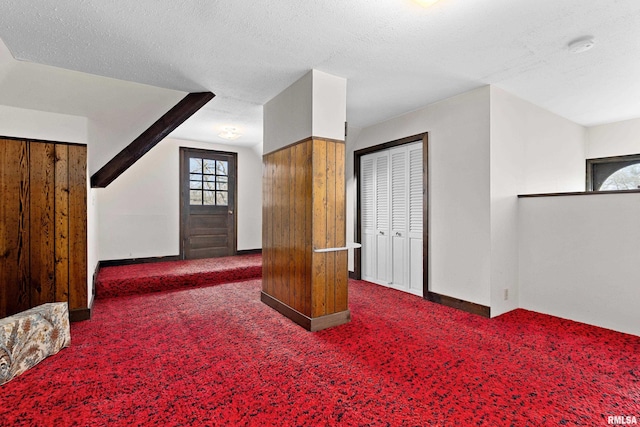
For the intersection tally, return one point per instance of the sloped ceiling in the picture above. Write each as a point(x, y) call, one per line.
point(395, 55)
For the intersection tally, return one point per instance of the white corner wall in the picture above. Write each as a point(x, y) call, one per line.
point(614, 139)
point(329, 105)
point(139, 211)
point(580, 258)
point(314, 105)
point(459, 205)
point(288, 116)
point(532, 150)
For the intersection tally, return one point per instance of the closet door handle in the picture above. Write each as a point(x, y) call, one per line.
point(381, 232)
point(398, 234)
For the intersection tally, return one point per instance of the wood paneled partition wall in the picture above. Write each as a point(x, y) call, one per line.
point(43, 225)
point(303, 212)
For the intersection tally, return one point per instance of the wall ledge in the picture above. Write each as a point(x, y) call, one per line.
point(579, 193)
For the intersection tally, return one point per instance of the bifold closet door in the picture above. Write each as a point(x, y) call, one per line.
point(376, 242)
point(391, 193)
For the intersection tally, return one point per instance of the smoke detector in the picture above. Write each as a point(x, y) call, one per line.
point(582, 44)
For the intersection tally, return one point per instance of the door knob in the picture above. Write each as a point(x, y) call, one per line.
point(230, 212)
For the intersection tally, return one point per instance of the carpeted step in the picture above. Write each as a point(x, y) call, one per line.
point(161, 276)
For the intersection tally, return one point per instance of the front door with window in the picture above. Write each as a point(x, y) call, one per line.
point(208, 203)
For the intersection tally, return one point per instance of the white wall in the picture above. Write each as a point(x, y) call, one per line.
point(553, 156)
point(580, 258)
point(288, 116)
point(314, 105)
point(532, 150)
point(615, 139)
point(329, 105)
point(485, 147)
point(459, 205)
point(139, 211)
point(25, 123)
point(115, 130)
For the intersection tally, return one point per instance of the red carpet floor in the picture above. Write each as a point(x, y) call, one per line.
point(217, 356)
point(161, 276)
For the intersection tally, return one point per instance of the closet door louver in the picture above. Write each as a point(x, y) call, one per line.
point(399, 216)
point(368, 215)
point(383, 262)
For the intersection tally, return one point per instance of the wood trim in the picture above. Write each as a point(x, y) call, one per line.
point(150, 138)
point(425, 214)
point(41, 141)
point(130, 261)
point(578, 193)
point(249, 251)
point(469, 307)
point(391, 144)
point(79, 314)
point(311, 138)
point(94, 279)
point(310, 324)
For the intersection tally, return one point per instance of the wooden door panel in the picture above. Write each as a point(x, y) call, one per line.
point(207, 241)
point(208, 203)
point(14, 227)
point(41, 197)
point(43, 250)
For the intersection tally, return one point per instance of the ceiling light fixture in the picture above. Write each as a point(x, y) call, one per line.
point(582, 44)
point(426, 3)
point(229, 132)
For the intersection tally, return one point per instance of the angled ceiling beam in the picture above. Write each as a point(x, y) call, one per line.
point(150, 138)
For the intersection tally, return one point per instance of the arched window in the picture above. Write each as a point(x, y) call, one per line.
point(614, 173)
point(627, 178)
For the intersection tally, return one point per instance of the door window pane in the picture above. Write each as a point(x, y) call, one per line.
point(195, 197)
point(209, 166)
point(222, 168)
point(208, 182)
point(221, 198)
point(195, 165)
point(208, 198)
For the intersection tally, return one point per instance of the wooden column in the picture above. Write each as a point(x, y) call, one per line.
point(304, 210)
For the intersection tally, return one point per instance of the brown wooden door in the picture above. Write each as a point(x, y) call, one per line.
point(43, 225)
point(208, 203)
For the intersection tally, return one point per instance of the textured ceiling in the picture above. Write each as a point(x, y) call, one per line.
point(395, 55)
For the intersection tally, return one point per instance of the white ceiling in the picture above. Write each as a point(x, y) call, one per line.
point(395, 55)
